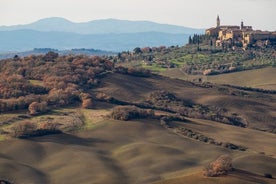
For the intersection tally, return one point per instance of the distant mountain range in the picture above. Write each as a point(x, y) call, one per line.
point(107, 34)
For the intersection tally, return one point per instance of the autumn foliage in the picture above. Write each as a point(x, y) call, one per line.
point(39, 82)
point(37, 108)
point(27, 129)
point(219, 167)
point(130, 112)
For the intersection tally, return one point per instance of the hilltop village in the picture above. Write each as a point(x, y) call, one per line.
point(243, 36)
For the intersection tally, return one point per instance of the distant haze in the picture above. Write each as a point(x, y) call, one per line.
point(107, 34)
point(190, 13)
point(101, 27)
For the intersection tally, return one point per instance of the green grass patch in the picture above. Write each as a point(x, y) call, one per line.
point(37, 82)
point(5, 117)
point(2, 137)
point(178, 62)
point(72, 118)
point(155, 68)
point(93, 117)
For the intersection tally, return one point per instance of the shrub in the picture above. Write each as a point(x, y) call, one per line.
point(50, 56)
point(221, 166)
point(86, 99)
point(130, 112)
point(22, 129)
point(103, 97)
point(37, 108)
point(4, 182)
point(48, 126)
point(233, 146)
point(29, 129)
point(140, 72)
point(87, 103)
point(267, 175)
point(162, 95)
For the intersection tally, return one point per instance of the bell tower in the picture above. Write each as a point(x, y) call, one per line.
point(218, 21)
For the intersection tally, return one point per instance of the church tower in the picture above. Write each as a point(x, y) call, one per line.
point(242, 25)
point(218, 21)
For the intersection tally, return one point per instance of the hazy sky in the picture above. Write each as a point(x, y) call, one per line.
point(261, 14)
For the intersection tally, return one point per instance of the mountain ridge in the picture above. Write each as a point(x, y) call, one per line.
point(105, 34)
point(101, 26)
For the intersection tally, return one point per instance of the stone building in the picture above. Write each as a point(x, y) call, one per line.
point(238, 35)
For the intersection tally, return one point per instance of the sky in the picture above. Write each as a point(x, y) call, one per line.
point(261, 14)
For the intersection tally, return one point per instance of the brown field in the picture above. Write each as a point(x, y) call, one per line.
point(258, 109)
point(260, 78)
point(105, 151)
point(122, 152)
point(252, 139)
point(236, 177)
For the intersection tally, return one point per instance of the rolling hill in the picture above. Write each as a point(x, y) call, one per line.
point(263, 78)
point(142, 151)
point(173, 130)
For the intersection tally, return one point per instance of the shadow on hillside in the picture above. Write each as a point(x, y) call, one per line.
point(248, 176)
point(68, 139)
point(21, 173)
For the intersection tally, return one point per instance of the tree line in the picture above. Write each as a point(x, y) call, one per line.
point(39, 82)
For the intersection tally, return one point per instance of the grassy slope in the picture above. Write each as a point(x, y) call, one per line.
point(260, 78)
point(119, 152)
